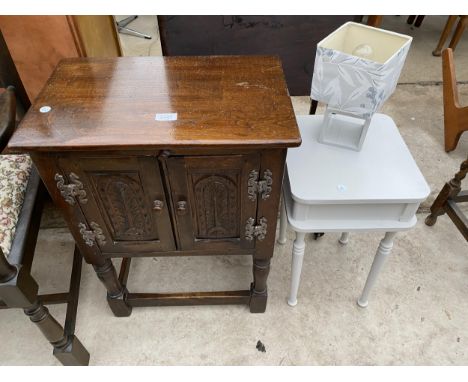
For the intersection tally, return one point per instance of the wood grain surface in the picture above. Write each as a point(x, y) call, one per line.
point(111, 103)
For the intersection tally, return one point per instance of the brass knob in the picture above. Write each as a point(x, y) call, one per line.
point(181, 207)
point(158, 205)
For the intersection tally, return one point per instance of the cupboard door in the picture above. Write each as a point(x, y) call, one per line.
point(124, 203)
point(211, 201)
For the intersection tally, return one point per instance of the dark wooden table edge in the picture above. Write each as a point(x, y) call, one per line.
point(16, 149)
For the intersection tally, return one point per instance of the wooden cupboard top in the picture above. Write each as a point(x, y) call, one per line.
point(111, 103)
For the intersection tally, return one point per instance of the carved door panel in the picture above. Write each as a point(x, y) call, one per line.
point(124, 203)
point(211, 201)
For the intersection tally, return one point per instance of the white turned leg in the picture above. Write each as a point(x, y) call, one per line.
point(344, 238)
point(296, 266)
point(283, 224)
point(385, 247)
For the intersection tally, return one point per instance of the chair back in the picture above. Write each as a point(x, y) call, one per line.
point(450, 88)
point(455, 116)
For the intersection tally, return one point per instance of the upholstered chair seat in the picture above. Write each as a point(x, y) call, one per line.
point(14, 175)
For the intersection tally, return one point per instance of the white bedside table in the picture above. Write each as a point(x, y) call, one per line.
point(331, 189)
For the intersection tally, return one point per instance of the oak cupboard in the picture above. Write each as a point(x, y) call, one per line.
point(165, 156)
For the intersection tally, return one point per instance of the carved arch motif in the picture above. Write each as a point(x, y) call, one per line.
point(217, 206)
point(124, 204)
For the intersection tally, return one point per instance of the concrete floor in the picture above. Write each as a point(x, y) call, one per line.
point(417, 312)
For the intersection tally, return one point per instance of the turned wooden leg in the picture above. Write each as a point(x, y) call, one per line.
point(344, 238)
point(458, 32)
point(296, 267)
point(385, 247)
point(67, 349)
point(451, 189)
point(437, 208)
point(283, 224)
point(258, 300)
point(445, 33)
point(116, 293)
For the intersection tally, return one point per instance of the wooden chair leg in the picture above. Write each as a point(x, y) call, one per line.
point(445, 33)
point(455, 116)
point(419, 21)
point(451, 137)
point(458, 32)
point(410, 19)
point(374, 21)
point(18, 289)
point(450, 190)
point(67, 349)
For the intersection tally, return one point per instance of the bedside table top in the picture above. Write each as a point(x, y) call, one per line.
point(130, 102)
point(383, 171)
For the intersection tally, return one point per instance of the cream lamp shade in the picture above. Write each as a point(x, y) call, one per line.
point(356, 69)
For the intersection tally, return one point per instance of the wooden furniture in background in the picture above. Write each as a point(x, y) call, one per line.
point(446, 202)
point(165, 156)
point(376, 189)
point(95, 36)
point(38, 43)
point(374, 21)
point(416, 20)
point(292, 38)
point(455, 116)
point(23, 194)
point(462, 21)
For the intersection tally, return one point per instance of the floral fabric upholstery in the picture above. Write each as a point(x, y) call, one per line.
point(14, 176)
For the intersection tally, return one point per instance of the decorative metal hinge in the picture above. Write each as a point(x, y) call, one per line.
point(72, 190)
point(262, 187)
point(91, 236)
point(255, 231)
